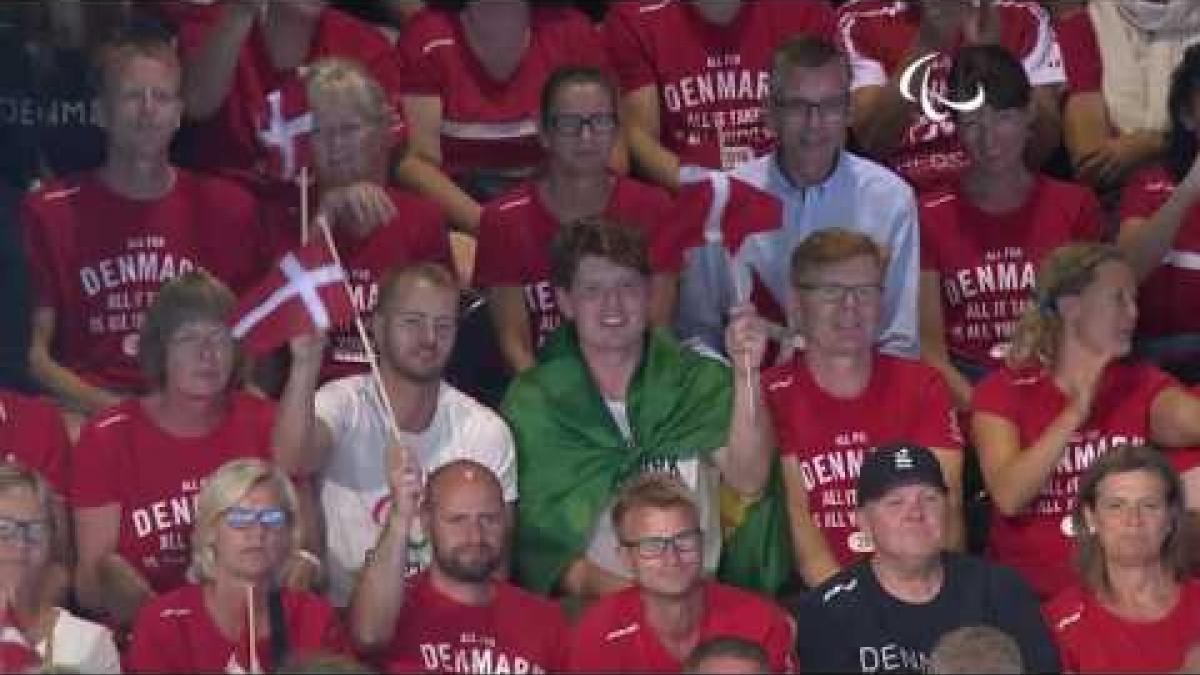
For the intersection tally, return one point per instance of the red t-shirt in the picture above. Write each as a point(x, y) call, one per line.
point(876, 34)
point(1038, 542)
point(987, 263)
point(516, 229)
point(261, 132)
point(1091, 639)
point(711, 79)
point(174, 633)
point(32, 434)
point(489, 125)
point(828, 436)
point(1169, 299)
point(416, 234)
point(124, 458)
point(612, 635)
point(97, 259)
point(1080, 53)
point(519, 632)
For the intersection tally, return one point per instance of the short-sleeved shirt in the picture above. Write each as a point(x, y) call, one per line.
point(515, 231)
point(987, 263)
point(1092, 639)
point(876, 34)
point(517, 632)
point(614, 636)
point(98, 259)
point(850, 624)
point(175, 633)
point(32, 434)
point(416, 234)
point(487, 125)
point(354, 493)
point(80, 645)
point(124, 458)
point(1039, 543)
point(1169, 299)
point(260, 134)
point(711, 80)
point(827, 436)
point(1080, 53)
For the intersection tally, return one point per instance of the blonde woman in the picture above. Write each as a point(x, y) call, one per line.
point(245, 531)
point(32, 580)
point(1066, 398)
point(1136, 608)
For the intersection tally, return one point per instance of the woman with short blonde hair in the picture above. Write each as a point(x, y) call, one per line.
point(236, 614)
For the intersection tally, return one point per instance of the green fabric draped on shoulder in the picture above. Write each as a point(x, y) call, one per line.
point(571, 456)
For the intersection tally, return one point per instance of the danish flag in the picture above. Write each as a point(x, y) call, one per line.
point(306, 292)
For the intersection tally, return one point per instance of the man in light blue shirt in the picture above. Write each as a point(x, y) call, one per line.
point(813, 183)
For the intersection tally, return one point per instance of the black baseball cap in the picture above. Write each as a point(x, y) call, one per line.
point(895, 465)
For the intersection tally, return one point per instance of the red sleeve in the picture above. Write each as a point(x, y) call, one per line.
point(43, 283)
point(433, 242)
point(585, 40)
point(937, 426)
point(498, 255)
point(784, 416)
point(1185, 459)
point(816, 18)
point(654, 214)
point(53, 444)
point(417, 70)
point(589, 654)
point(778, 644)
point(1089, 225)
point(626, 50)
point(93, 462)
point(930, 223)
point(1145, 193)
point(239, 219)
point(153, 643)
point(1080, 53)
point(996, 395)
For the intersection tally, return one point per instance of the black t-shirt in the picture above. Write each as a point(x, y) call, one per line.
point(850, 624)
point(48, 110)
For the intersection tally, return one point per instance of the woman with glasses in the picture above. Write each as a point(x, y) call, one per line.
point(31, 583)
point(839, 398)
point(138, 466)
point(982, 238)
point(578, 131)
point(1136, 607)
point(1067, 397)
point(235, 617)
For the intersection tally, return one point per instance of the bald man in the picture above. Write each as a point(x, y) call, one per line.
point(457, 615)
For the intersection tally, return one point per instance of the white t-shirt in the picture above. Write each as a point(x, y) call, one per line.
point(353, 485)
point(700, 475)
point(81, 646)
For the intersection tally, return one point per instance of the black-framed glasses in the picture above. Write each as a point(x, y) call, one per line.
point(830, 109)
point(241, 518)
point(571, 124)
point(29, 532)
point(836, 294)
point(686, 544)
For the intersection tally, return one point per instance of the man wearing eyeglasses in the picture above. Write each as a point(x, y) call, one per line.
point(342, 434)
point(839, 398)
point(672, 608)
point(885, 614)
point(762, 209)
point(457, 616)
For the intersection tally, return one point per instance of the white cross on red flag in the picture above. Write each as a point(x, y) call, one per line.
point(306, 292)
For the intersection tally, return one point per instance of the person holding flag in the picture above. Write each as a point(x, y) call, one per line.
point(611, 399)
point(236, 617)
point(138, 465)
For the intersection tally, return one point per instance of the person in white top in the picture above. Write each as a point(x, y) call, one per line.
point(32, 580)
point(341, 433)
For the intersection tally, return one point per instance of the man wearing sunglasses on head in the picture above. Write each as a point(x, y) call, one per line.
point(457, 616)
point(672, 608)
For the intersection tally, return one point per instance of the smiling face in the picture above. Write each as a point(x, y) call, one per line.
point(908, 522)
point(608, 303)
point(839, 305)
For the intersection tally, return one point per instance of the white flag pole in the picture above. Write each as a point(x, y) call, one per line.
point(372, 358)
point(304, 205)
point(741, 295)
point(252, 627)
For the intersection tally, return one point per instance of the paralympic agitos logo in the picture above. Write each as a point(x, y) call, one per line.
point(933, 104)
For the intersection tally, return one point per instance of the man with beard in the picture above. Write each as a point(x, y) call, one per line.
point(342, 434)
point(456, 616)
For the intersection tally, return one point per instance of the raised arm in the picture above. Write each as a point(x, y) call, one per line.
point(208, 74)
point(301, 441)
point(63, 383)
point(745, 461)
point(1145, 241)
